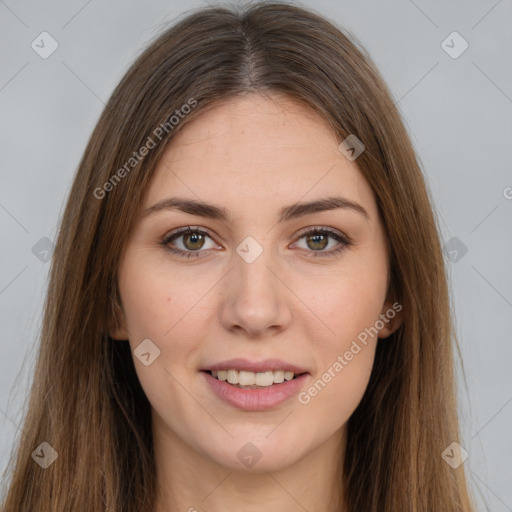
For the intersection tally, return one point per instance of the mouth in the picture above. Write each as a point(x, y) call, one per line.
point(255, 385)
point(255, 391)
point(254, 380)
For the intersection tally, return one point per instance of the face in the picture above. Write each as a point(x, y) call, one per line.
point(255, 281)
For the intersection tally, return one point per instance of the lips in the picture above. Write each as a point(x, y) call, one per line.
point(255, 385)
point(266, 365)
point(262, 399)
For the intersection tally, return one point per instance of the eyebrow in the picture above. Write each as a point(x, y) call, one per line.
point(287, 213)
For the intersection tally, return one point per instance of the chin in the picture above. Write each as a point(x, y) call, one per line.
point(258, 455)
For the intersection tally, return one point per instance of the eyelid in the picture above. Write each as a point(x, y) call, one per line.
point(343, 240)
point(186, 229)
point(329, 230)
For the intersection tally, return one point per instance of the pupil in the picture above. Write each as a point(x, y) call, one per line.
point(316, 240)
point(194, 238)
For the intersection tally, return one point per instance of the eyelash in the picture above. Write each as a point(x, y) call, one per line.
point(344, 241)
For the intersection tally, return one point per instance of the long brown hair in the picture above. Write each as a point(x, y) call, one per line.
point(86, 401)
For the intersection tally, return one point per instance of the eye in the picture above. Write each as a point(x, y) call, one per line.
point(317, 240)
point(188, 241)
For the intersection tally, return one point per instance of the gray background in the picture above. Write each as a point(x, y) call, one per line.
point(458, 111)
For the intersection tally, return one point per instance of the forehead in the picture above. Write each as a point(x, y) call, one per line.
point(256, 149)
point(256, 124)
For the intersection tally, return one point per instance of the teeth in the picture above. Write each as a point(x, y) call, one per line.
point(232, 376)
point(246, 378)
point(264, 378)
point(278, 376)
point(261, 379)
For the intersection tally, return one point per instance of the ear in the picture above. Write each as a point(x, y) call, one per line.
point(391, 317)
point(117, 324)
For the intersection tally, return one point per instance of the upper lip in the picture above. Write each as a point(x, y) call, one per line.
point(256, 366)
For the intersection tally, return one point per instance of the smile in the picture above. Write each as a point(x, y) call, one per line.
point(253, 397)
point(252, 380)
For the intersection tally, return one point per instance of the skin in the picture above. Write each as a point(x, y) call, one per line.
point(253, 155)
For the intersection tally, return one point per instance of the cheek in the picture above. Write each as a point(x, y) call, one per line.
point(344, 360)
point(349, 308)
point(346, 302)
point(163, 307)
point(169, 308)
point(157, 300)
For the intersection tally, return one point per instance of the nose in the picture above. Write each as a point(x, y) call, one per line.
point(255, 301)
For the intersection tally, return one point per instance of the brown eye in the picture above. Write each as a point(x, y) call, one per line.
point(189, 242)
point(193, 241)
point(317, 242)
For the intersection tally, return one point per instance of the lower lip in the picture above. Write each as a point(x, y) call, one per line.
point(255, 399)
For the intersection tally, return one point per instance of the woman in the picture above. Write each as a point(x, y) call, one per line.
point(247, 304)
